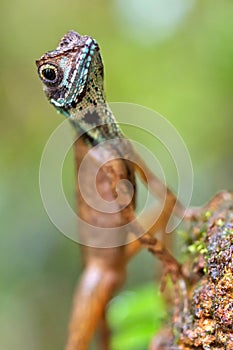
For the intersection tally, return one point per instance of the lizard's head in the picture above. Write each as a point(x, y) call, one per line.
point(71, 70)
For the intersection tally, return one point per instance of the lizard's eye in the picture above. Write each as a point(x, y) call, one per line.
point(48, 73)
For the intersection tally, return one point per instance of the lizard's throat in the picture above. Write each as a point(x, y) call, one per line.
point(97, 122)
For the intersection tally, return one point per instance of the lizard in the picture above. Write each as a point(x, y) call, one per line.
point(73, 81)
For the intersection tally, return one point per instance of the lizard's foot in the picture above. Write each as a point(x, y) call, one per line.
point(172, 268)
point(192, 214)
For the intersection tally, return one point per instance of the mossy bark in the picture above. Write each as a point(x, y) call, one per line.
point(207, 323)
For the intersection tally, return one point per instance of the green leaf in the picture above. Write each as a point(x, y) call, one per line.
point(135, 316)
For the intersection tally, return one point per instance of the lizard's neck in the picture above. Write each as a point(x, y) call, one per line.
point(93, 116)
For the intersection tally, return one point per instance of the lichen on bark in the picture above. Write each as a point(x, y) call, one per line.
point(208, 323)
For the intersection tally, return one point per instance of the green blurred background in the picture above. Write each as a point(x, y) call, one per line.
point(173, 56)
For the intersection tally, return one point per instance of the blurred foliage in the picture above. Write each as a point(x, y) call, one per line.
point(135, 316)
point(187, 77)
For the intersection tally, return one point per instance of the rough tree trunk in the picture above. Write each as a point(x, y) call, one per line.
point(208, 321)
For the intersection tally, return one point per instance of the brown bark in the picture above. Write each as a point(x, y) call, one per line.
point(207, 323)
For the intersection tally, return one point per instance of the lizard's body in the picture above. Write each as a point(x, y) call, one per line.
point(73, 82)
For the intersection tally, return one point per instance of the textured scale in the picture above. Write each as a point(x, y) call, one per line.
point(73, 80)
point(72, 77)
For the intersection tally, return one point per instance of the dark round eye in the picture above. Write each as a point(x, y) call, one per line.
point(48, 73)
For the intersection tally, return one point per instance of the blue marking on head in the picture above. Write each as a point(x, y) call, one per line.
point(81, 72)
point(70, 67)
